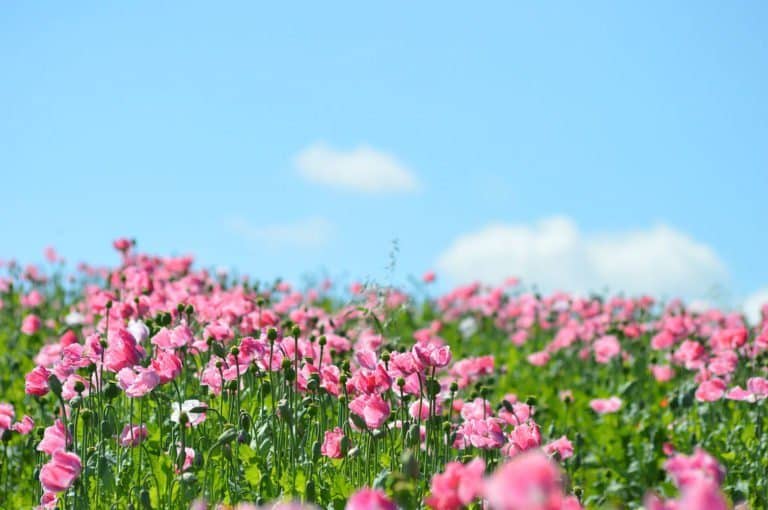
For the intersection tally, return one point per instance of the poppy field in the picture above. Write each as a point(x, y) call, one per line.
point(157, 384)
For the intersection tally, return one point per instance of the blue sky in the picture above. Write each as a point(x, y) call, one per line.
point(542, 135)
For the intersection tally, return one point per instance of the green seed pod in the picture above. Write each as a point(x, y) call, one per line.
point(55, 385)
point(225, 437)
point(410, 464)
point(227, 451)
point(146, 503)
point(111, 391)
point(310, 494)
point(87, 416)
point(314, 382)
point(414, 434)
point(272, 335)
point(106, 428)
point(315, 451)
point(79, 387)
point(245, 420)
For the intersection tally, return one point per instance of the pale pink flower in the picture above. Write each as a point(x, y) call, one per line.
point(605, 405)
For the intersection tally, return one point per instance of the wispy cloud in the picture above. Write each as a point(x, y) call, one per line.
point(307, 232)
point(554, 254)
point(753, 305)
point(362, 169)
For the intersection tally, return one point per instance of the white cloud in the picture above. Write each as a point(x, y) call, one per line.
point(554, 254)
point(753, 304)
point(363, 169)
point(308, 232)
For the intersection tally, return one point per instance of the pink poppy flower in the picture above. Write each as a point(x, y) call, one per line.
point(457, 486)
point(758, 386)
point(700, 495)
point(189, 459)
point(431, 356)
point(7, 415)
point(31, 324)
point(48, 501)
point(132, 435)
point(538, 359)
point(331, 446)
point(740, 394)
point(55, 438)
point(167, 366)
point(528, 482)
point(605, 405)
point(60, 472)
point(606, 348)
point(122, 244)
point(562, 446)
point(137, 382)
point(372, 408)
point(25, 426)
point(36, 381)
point(710, 391)
point(122, 351)
point(685, 469)
point(420, 409)
point(370, 499)
point(662, 373)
